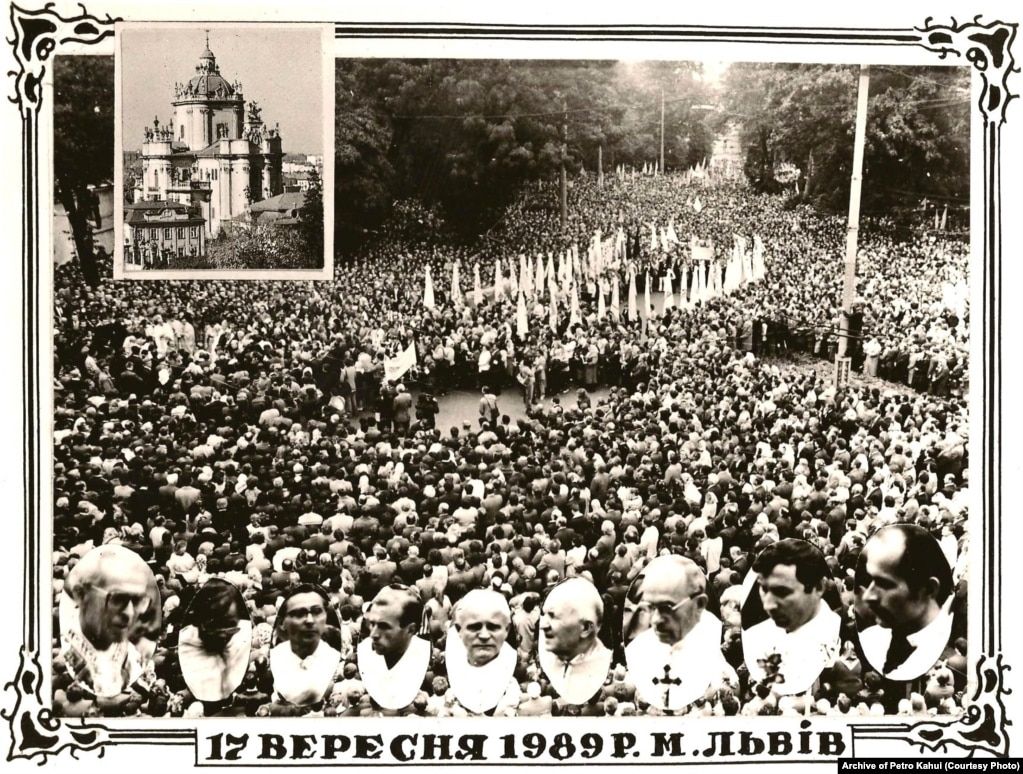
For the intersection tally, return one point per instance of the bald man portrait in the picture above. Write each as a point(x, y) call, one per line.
point(480, 662)
point(801, 630)
point(570, 652)
point(905, 581)
point(678, 658)
point(107, 595)
point(393, 660)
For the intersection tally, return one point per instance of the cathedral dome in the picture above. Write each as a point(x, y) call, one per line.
point(209, 85)
point(207, 81)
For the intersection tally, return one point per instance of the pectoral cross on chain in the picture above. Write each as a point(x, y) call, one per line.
point(667, 681)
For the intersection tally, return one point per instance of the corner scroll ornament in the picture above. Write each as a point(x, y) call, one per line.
point(35, 732)
point(37, 34)
point(988, 48)
point(983, 727)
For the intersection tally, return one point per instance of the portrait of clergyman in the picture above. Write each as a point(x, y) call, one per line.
point(904, 599)
point(215, 641)
point(569, 647)
point(674, 656)
point(393, 660)
point(303, 663)
point(480, 662)
point(109, 615)
point(790, 632)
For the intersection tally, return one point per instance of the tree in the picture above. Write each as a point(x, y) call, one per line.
point(83, 144)
point(310, 216)
point(917, 131)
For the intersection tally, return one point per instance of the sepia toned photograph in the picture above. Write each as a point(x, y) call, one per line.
point(222, 141)
point(598, 416)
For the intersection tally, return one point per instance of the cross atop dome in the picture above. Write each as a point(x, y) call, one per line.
point(207, 62)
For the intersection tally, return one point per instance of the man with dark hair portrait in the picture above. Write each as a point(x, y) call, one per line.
point(302, 663)
point(393, 660)
point(905, 582)
point(215, 641)
point(801, 632)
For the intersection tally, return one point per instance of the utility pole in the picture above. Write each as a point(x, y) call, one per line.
point(600, 165)
point(849, 285)
point(564, 174)
point(662, 130)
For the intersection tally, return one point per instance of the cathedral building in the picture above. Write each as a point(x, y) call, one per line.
point(208, 165)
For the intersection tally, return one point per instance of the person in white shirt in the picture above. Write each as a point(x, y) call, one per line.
point(678, 659)
point(302, 664)
point(801, 629)
point(906, 584)
point(570, 652)
point(480, 662)
point(393, 660)
point(215, 641)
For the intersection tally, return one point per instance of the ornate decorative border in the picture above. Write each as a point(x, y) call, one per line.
point(37, 734)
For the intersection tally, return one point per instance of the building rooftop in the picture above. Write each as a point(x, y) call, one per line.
point(283, 203)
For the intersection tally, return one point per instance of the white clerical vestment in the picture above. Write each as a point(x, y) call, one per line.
point(214, 676)
point(483, 688)
point(577, 679)
point(303, 680)
point(804, 653)
point(394, 688)
point(673, 676)
point(928, 644)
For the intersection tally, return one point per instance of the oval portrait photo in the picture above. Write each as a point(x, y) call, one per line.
point(480, 661)
point(215, 641)
point(110, 614)
point(569, 647)
point(303, 661)
point(790, 632)
point(674, 655)
point(393, 660)
point(904, 593)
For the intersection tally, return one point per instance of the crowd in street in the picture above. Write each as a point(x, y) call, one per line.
point(247, 431)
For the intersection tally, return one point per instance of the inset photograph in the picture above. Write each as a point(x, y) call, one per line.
point(904, 588)
point(674, 655)
point(109, 614)
point(224, 137)
point(393, 660)
point(569, 647)
point(303, 662)
point(215, 641)
point(790, 633)
point(480, 661)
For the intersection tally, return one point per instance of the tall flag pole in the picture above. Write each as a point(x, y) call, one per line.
point(633, 313)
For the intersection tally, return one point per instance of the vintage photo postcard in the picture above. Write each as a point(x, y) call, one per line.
point(489, 388)
point(222, 135)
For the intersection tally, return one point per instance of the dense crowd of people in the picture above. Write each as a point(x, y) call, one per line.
point(245, 431)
